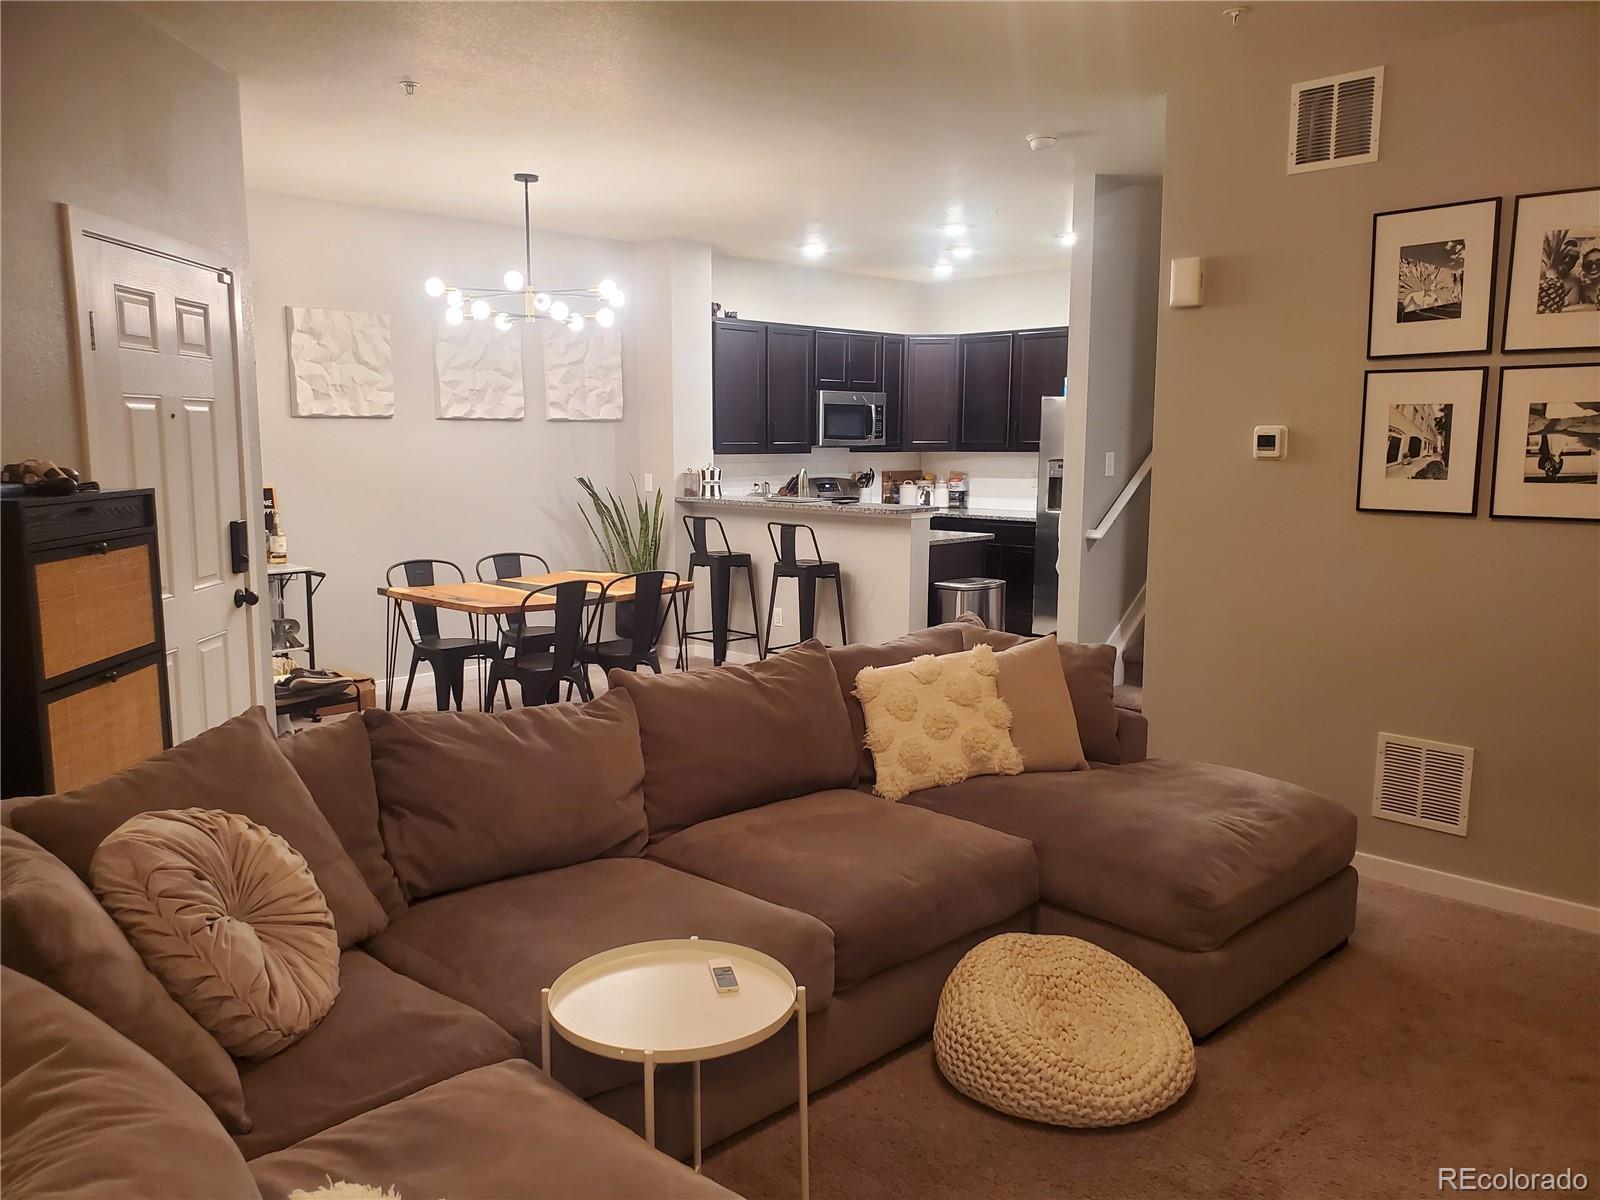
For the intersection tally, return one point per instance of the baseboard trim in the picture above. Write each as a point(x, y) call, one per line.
point(1480, 891)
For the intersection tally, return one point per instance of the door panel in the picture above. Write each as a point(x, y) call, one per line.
point(931, 390)
point(1039, 369)
point(833, 350)
point(738, 387)
point(103, 728)
point(864, 362)
point(162, 411)
point(93, 606)
point(790, 408)
point(985, 391)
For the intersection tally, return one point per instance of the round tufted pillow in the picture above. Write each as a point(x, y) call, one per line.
point(229, 917)
point(1055, 1029)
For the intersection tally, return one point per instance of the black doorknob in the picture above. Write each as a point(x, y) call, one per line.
point(244, 596)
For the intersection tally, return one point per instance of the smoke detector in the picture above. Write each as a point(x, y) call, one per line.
point(1042, 141)
point(410, 86)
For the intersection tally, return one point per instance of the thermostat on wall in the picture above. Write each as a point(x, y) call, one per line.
point(1271, 441)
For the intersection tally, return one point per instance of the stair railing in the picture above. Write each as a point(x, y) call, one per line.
point(1122, 501)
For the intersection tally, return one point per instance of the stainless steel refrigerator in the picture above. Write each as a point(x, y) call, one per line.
point(1047, 530)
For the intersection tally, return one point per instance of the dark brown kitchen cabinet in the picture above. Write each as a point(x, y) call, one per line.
point(985, 414)
point(738, 387)
point(932, 393)
point(790, 413)
point(894, 388)
point(849, 362)
point(1038, 369)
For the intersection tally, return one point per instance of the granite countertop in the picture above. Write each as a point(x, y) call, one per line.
point(988, 514)
point(946, 537)
point(889, 511)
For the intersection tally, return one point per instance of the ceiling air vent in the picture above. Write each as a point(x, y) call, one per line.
point(1333, 122)
point(1423, 783)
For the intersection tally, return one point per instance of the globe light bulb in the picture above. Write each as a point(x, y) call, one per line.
point(961, 253)
point(454, 298)
point(559, 309)
point(541, 302)
point(607, 288)
point(452, 316)
point(617, 299)
point(942, 270)
point(576, 323)
point(513, 281)
point(605, 318)
point(480, 310)
point(502, 321)
point(813, 249)
point(434, 287)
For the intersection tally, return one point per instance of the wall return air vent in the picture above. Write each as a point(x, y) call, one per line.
point(1422, 783)
point(1333, 122)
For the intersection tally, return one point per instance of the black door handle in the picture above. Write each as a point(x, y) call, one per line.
point(244, 596)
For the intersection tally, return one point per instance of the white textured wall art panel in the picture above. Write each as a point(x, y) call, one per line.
point(582, 374)
point(341, 364)
point(478, 370)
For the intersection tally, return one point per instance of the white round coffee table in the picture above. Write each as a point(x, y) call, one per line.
point(655, 1003)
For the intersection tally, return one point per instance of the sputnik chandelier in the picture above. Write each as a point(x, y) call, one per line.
point(519, 300)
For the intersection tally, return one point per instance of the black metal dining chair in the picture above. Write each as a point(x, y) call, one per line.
point(447, 656)
point(504, 568)
point(540, 672)
point(640, 621)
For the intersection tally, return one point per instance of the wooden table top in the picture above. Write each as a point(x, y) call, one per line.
point(506, 595)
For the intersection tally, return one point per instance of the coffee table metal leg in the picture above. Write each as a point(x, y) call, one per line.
point(544, 1031)
point(805, 1132)
point(650, 1097)
point(697, 1114)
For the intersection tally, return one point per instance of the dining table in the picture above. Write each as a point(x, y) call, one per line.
point(484, 602)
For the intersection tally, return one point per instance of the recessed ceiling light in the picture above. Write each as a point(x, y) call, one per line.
point(961, 253)
point(1068, 238)
point(814, 249)
point(955, 229)
point(942, 270)
point(1042, 141)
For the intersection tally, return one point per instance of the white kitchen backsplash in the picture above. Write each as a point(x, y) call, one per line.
point(1004, 482)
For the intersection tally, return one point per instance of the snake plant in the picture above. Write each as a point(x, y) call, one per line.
point(629, 541)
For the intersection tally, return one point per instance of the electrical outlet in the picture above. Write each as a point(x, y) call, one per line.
point(1111, 463)
point(649, 482)
point(777, 618)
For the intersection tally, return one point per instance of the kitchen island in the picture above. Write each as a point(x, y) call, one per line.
point(881, 549)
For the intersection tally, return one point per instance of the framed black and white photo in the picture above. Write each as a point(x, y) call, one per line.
point(1553, 301)
point(1420, 435)
point(1432, 289)
point(1547, 443)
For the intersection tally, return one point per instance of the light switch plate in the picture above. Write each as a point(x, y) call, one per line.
point(1111, 463)
point(649, 482)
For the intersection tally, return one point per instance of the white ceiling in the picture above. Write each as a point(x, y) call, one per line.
point(746, 126)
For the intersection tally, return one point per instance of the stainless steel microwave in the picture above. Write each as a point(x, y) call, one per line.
point(850, 418)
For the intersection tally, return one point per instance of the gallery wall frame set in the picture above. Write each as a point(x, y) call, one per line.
point(1421, 440)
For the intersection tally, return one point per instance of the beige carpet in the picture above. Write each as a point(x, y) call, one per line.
point(1444, 1035)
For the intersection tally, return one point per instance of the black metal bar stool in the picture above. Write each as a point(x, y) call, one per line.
point(805, 572)
point(721, 563)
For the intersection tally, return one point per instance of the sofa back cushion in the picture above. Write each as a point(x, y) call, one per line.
point(1090, 671)
point(237, 767)
point(848, 662)
point(466, 798)
point(334, 761)
point(52, 929)
point(1044, 725)
point(87, 1113)
point(739, 736)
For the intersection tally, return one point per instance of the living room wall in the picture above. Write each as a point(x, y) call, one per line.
point(1286, 629)
point(358, 494)
point(99, 108)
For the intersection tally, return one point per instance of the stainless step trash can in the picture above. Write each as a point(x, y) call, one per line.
point(986, 597)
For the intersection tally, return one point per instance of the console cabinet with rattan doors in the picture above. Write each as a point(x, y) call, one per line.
point(83, 674)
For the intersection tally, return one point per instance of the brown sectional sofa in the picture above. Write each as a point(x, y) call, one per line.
point(470, 859)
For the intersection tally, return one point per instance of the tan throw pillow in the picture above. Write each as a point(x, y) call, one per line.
point(936, 720)
point(229, 917)
point(1043, 726)
point(1089, 670)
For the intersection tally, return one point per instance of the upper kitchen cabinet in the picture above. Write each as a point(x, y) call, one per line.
point(761, 397)
point(738, 387)
point(790, 412)
point(932, 393)
point(894, 389)
point(849, 362)
point(985, 410)
point(1038, 369)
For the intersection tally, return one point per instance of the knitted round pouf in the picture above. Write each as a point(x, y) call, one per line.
point(1058, 1030)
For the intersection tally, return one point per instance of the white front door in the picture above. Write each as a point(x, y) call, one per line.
point(161, 410)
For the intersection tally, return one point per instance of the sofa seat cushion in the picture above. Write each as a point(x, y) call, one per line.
point(891, 881)
point(385, 1037)
point(503, 1131)
point(85, 1112)
point(1184, 853)
point(494, 947)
